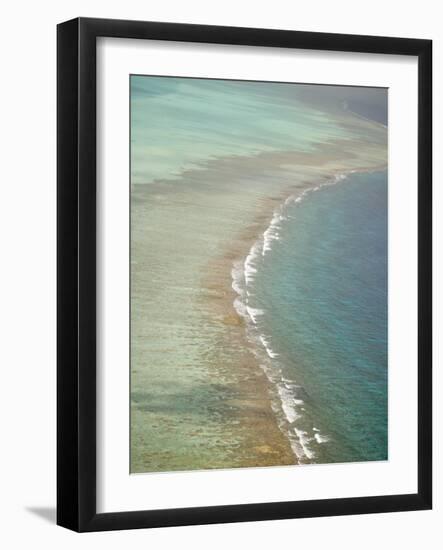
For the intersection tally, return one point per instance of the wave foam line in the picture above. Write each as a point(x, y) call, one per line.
point(243, 274)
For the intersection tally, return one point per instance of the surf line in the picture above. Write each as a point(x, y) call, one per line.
point(286, 403)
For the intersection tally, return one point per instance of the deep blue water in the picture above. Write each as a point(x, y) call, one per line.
point(323, 290)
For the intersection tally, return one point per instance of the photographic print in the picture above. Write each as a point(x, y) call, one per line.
point(258, 288)
point(223, 309)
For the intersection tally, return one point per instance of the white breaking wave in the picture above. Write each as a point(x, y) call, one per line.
point(249, 265)
point(321, 438)
point(243, 275)
point(272, 234)
point(267, 347)
point(288, 403)
point(304, 440)
point(254, 313)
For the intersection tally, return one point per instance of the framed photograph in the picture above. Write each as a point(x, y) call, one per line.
point(244, 274)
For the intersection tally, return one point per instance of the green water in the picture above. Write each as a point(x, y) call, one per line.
point(178, 123)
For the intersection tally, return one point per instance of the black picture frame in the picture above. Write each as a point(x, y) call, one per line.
point(76, 280)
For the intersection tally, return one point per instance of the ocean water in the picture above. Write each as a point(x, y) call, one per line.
point(315, 293)
point(180, 123)
point(269, 384)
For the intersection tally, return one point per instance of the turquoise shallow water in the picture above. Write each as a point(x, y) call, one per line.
point(319, 300)
point(180, 123)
